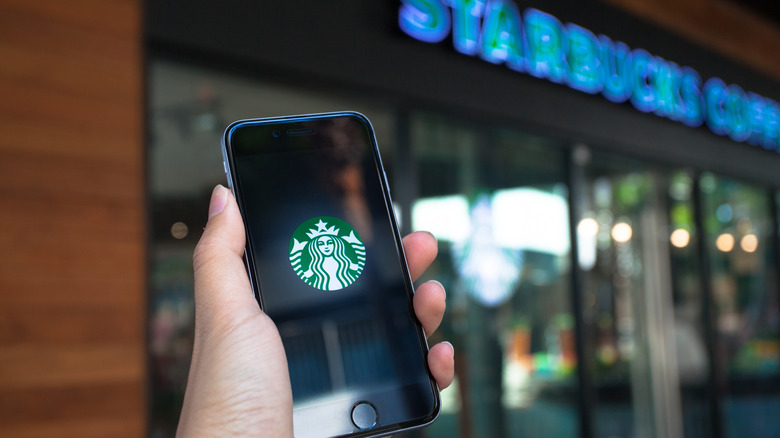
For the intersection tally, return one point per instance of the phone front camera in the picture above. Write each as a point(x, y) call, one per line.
point(277, 133)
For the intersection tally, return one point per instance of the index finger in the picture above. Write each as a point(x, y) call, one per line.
point(421, 249)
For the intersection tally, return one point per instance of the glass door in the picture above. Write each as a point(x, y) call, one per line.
point(623, 253)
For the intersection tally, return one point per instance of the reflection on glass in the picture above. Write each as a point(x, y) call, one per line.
point(502, 223)
point(483, 261)
point(738, 223)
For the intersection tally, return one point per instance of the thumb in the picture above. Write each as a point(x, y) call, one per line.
point(221, 282)
point(225, 228)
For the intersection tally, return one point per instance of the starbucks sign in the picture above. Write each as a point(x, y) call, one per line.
point(327, 253)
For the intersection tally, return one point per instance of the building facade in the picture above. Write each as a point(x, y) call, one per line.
point(602, 177)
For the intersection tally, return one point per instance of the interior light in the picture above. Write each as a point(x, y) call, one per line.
point(447, 217)
point(724, 213)
point(531, 219)
point(622, 232)
point(725, 242)
point(680, 238)
point(587, 230)
point(179, 230)
point(588, 227)
point(708, 183)
point(680, 187)
point(749, 243)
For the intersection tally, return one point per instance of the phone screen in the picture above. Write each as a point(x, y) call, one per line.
point(326, 259)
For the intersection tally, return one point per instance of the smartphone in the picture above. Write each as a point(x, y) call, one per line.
point(325, 259)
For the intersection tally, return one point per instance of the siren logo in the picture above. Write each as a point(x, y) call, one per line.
point(327, 253)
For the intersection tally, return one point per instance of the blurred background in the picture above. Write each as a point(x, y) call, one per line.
point(611, 266)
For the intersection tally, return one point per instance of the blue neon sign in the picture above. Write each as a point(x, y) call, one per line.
point(538, 44)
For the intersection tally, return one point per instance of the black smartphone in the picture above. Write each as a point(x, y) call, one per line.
point(326, 262)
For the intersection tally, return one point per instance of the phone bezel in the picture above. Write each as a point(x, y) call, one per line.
point(234, 185)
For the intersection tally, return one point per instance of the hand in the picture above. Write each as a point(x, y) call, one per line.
point(238, 383)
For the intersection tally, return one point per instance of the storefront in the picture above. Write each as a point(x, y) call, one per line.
point(605, 196)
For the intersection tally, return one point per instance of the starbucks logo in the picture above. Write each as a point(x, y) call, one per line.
point(327, 253)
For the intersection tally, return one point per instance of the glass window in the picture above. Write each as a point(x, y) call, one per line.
point(739, 234)
point(497, 201)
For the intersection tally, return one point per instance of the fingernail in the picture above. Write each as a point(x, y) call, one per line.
point(451, 347)
point(218, 201)
point(437, 282)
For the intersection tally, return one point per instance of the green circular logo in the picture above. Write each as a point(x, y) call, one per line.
point(327, 253)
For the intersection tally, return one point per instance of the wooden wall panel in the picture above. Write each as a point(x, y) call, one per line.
point(72, 239)
point(719, 25)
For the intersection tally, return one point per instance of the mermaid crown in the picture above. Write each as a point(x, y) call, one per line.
point(322, 230)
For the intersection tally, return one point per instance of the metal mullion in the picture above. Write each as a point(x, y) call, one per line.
point(575, 179)
point(405, 180)
point(775, 218)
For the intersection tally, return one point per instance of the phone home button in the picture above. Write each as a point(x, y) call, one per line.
point(364, 415)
